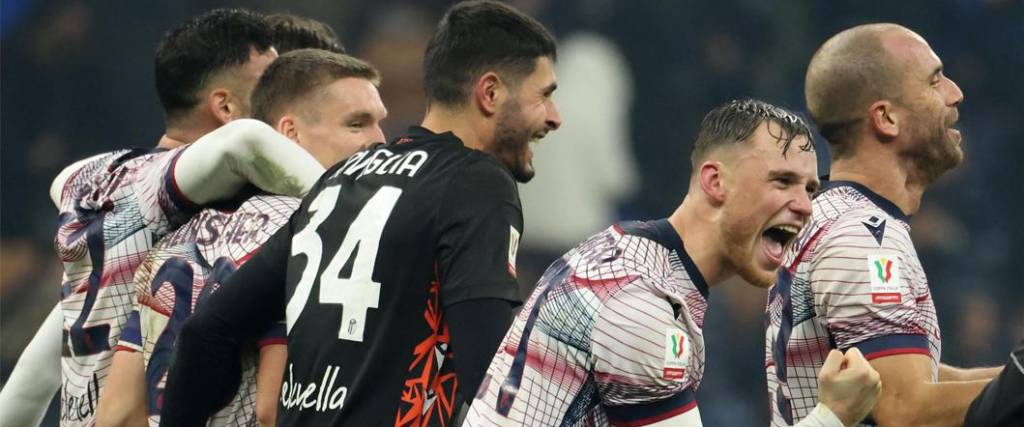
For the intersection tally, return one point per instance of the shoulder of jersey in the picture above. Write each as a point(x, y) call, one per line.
point(865, 224)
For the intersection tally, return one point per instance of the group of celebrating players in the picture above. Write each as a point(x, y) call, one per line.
point(199, 289)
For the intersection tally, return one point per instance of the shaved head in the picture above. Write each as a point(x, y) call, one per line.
point(848, 73)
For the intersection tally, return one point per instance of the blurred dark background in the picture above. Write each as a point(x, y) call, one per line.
point(76, 79)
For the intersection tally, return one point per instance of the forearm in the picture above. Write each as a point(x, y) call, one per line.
point(206, 370)
point(36, 377)
point(207, 367)
point(476, 328)
point(123, 402)
point(949, 373)
point(942, 404)
point(268, 382)
point(241, 152)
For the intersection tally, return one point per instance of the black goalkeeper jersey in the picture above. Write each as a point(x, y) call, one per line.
point(380, 247)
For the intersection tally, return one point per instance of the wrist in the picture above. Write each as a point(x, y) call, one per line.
point(825, 417)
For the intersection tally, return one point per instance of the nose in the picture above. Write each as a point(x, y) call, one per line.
point(956, 95)
point(376, 135)
point(554, 118)
point(801, 205)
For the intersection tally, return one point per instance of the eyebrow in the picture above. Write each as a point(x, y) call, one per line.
point(792, 176)
point(549, 89)
point(936, 71)
point(358, 115)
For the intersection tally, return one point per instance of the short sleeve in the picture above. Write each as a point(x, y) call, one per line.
point(277, 334)
point(480, 223)
point(862, 290)
point(162, 204)
point(643, 360)
point(131, 334)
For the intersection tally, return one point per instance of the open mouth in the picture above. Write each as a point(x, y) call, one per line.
point(777, 238)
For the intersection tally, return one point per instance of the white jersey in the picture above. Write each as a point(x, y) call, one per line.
point(611, 335)
point(112, 209)
point(852, 279)
point(182, 270)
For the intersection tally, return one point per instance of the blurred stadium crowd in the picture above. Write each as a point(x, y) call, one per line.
point(636, 78)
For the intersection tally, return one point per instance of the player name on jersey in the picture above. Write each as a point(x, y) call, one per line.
point(383, 162)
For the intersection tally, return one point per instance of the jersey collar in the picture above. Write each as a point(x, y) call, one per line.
point(885, 204)
point(666, 235)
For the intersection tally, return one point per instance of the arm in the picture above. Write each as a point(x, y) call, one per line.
point(910, 398)
point(268, 382)
point(646, 360)
point(207, 368)
point(36, 377)
point(1001, 403)
point(244, 151)
point(123, 402)
point(476, 327)
point(949, 373)
point(480, 219)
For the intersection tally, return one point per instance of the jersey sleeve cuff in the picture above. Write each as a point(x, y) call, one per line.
point(652, 412)
point(174, 193)
point(890, 345)
point(277, 334)
point(131, 333)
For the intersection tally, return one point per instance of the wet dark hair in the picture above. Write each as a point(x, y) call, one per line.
point(474, 37)
point(735, 121)
point(206, 44)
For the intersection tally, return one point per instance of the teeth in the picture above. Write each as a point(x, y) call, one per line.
point(788, 228)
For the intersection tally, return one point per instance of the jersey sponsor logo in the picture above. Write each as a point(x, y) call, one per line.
point(513, 249)
point(318, 397)
point(82, 407)
point(875, 226)
point(677, 351)
point(884, 273)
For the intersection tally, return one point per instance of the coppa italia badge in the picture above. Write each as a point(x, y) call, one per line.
point(884, 273)
point(677, 352)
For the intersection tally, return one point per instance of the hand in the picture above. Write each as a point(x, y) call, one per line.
point(848, 385)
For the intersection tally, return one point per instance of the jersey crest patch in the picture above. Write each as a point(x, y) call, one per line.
point(677, 352)
point(884, 273)
point(513, 249)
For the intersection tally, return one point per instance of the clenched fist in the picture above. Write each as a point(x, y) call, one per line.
point(848, 385)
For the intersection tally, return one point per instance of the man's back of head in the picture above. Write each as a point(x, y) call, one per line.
point(293, 32)
point(847, 73)
point(208, 52)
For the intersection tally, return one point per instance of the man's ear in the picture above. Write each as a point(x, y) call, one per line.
point(286, 126)
point(712, 181)
point(489, 93)
point(221, 105)
point(884, 119)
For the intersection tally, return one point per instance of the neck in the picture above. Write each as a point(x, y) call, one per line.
point(884, 173)
point(459, 122)
point(188, 128)
point(698, 229)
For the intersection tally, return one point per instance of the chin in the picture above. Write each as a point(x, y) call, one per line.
point(758, 277)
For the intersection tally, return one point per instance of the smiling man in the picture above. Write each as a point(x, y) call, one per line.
point(878, 94)
point(613, 333)
point(402, 257)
